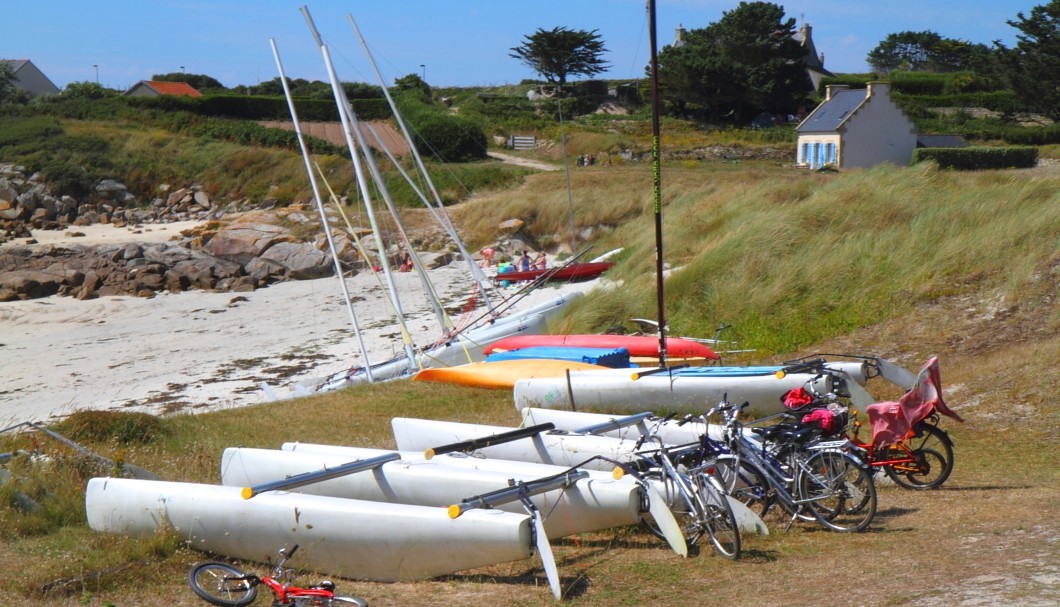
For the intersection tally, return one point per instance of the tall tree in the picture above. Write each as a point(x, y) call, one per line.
point(1032, 68)
point(560, 52)
point(413, 82)
point(746, 63)
point(926, 51)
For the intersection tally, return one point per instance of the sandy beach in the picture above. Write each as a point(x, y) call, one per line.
point(196, 350)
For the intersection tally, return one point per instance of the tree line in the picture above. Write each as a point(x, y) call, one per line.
point(746, 63)
point(749, 61)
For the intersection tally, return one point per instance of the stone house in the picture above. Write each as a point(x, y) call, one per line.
point(30, 79)
point(856, 128)
point(804, 36)
point(154, 88)
point(814, 61)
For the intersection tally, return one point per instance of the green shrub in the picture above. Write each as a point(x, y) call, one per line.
point(118, 427)
point(448, 139)
point(979, 158)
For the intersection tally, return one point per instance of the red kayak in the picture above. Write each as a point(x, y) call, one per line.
point(638, 345)
point(574, 271)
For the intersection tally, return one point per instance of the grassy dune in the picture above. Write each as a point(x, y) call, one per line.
point(899, 262)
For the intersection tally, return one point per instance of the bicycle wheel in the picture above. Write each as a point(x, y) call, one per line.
point(841, 492)
point(214, 583)
point(933, 451)
point(717, 518)
point(748, 486)
point(678, 505)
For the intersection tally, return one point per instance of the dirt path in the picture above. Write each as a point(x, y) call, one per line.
point(524, 162)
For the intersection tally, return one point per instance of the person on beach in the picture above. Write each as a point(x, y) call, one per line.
point(406, 266)
point(487, 256)
point(523, 263)
point(539, 261)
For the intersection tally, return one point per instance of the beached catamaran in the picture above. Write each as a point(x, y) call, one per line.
point(456, 345)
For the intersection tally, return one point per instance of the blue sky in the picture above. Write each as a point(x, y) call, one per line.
point(451, 42)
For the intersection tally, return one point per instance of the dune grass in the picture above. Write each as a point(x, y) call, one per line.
point(899, 262)
point(789, 258)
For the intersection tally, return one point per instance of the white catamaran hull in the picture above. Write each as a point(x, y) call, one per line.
point(688, 390)
point(349, 538)
point(464, 348)
point(554, 448)
point(671, 432)
point(586, 505)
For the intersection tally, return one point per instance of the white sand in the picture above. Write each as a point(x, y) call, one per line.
point(201, 350)
point(97, 234)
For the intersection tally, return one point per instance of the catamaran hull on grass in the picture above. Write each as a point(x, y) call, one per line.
point(344, 537)
point(588, 504)
point(686, 390)
point(555, 448)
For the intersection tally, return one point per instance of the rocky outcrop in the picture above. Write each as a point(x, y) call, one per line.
point(27, 203)
point(242, 252)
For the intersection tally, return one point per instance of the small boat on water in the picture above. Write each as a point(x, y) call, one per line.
point(637, 345)
point(357, 539)
point(662, 390)
point(572, 271)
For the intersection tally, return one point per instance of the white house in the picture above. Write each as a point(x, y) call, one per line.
point(29, 78)
point(856, 128)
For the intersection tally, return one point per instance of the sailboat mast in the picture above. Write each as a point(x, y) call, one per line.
point(656, 181)
point(447, 223)
point(336, 88)
point(320, 208)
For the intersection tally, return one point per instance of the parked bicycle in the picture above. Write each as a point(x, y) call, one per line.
point(907, 443)
point(695, 497)
point(226, 586)
point(811, 479)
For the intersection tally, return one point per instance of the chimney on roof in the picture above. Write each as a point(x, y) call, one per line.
point(831, 89)
point(882, 88)
point(678, 42)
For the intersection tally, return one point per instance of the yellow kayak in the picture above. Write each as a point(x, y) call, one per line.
point(502, 373)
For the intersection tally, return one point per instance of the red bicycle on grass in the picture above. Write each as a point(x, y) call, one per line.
point(223, 585)
point(906, 442)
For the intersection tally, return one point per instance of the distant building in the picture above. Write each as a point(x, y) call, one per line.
point(154, 88)
point(814, 62)
point(30, 79)
point(856, 128)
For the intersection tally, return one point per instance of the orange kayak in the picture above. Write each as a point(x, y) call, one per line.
point(502, 373)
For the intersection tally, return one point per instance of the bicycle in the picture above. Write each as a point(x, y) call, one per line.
point(819, 480)
point(920, 457)
point(226, 586)
point(695, 497)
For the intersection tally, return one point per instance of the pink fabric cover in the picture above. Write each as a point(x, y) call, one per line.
point(824, 419)
point(797, 398)
point(893, 421)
